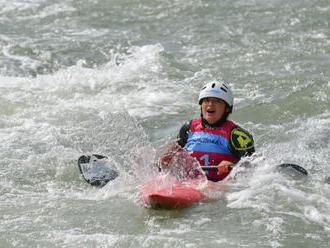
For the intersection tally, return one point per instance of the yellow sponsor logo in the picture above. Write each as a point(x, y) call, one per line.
point(242, 138)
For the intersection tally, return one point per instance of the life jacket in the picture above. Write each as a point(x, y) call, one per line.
point(210, 146)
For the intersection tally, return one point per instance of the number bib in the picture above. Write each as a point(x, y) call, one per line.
point(210, 147)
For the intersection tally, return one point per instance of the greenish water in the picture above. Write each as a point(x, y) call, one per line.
point(120, 78)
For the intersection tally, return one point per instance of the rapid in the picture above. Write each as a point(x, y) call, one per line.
point(119, 78)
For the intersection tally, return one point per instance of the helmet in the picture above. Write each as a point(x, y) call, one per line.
point(218, 90)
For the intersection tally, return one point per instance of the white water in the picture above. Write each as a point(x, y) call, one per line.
point(86, 84)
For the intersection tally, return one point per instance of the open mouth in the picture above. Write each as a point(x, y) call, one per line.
point(209, 111)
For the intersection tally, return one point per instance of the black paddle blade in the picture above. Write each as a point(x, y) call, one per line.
point(96, 169)
point(294, 167)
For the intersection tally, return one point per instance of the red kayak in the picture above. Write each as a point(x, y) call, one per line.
point(166, 192)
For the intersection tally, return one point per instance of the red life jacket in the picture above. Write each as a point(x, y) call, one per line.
point(210, 146)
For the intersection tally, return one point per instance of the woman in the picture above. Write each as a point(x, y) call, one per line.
point(212, 139)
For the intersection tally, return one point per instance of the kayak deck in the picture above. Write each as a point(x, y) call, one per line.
point(177, 195)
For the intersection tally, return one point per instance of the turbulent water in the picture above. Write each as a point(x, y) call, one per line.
point(120, 77)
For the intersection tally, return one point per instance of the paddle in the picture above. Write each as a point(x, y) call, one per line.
point(294, 167)
point(96, 169)
point(213, 167)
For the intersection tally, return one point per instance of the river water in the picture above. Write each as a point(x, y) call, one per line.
point(120, 77)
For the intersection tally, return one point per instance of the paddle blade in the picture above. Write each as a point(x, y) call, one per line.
point(294, 167)
point(96, 169)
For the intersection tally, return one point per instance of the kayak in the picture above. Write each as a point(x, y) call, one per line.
point(168, 193)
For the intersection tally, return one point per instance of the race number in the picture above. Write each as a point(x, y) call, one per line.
point(205, 158)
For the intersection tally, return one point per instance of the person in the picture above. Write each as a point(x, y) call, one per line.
point(213, 139)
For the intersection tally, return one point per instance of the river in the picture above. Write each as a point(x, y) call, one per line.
point(120, 77)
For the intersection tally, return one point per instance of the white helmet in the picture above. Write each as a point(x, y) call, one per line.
point(218, 90)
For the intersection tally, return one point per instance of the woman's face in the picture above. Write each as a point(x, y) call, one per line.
point(213, 109)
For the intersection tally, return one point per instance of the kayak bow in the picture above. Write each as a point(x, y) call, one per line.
point(157, 195)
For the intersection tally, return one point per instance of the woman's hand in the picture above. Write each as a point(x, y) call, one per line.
point(224, 167)
point(167, 154)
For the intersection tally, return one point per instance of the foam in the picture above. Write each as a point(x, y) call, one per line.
point(128, 85)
